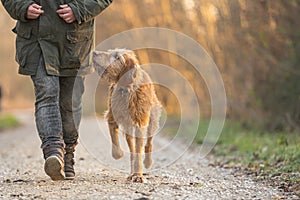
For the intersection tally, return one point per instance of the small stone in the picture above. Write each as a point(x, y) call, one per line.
point(65, 188)
point(7, 181)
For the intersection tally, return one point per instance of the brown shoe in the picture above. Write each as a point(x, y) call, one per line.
point(54, 162)
point(54, 168)
point(69, 166)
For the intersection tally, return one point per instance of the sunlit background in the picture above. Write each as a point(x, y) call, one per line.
point(255, 44)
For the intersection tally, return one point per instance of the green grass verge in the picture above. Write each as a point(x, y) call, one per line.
point(277, 152)
point(273, 157)
point(8, 121)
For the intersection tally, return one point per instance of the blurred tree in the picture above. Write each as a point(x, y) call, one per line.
point(255, 44)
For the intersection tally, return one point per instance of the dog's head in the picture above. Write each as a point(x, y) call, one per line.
point(116, 66)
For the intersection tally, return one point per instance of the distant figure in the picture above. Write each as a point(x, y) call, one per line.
point(0, 98)
point(53, 45)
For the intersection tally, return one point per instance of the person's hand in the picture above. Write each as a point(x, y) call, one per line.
point(66, 13)
point(34, 11)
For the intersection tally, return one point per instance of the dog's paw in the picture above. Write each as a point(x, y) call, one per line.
point(147, 161)
point(117, 153)
point(137, 178)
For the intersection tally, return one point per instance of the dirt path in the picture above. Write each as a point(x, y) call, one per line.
point(22, 176)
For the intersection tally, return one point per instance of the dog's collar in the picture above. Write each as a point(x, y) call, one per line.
point(127, 90)
point(123, 91)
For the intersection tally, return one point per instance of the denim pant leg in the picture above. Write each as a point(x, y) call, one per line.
point(71, 91)
point(47, 113)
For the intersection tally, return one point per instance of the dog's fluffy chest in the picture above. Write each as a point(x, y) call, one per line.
point(120, 106)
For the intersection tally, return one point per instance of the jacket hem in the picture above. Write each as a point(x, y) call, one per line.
point(61, 73)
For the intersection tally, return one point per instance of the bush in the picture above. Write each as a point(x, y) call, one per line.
point(8, 121)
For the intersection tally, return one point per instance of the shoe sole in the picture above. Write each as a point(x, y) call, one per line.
point(54, 168)
point(69, 178)
point(69, 175)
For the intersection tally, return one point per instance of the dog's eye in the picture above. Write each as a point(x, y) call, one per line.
point(117, 57)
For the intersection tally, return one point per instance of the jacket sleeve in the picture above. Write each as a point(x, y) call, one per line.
point(17, 9)
point(85, 10)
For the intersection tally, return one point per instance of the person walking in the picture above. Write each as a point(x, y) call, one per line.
point(53, 45)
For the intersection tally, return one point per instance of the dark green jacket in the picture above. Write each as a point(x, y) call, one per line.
point(65, 47)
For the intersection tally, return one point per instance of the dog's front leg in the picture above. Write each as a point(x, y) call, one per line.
point(130, 142)
point(137, 175)
point(117, 152)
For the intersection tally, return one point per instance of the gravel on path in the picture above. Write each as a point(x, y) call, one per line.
point(190, 177)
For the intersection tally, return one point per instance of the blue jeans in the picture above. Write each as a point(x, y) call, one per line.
point(58, 108)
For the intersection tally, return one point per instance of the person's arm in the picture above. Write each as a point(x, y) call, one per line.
point(17, 9)
point(85, 10)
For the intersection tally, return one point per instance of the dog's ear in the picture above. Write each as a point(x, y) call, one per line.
point(129, 73)
point(130, 61)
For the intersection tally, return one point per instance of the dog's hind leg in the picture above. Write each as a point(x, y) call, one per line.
point(148, 147)
point(153, 126)
point(148, 153)
point(117, 152)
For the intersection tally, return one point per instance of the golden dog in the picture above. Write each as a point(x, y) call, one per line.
point(132, 105)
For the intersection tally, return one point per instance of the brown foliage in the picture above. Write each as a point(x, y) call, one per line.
point(255, 44)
